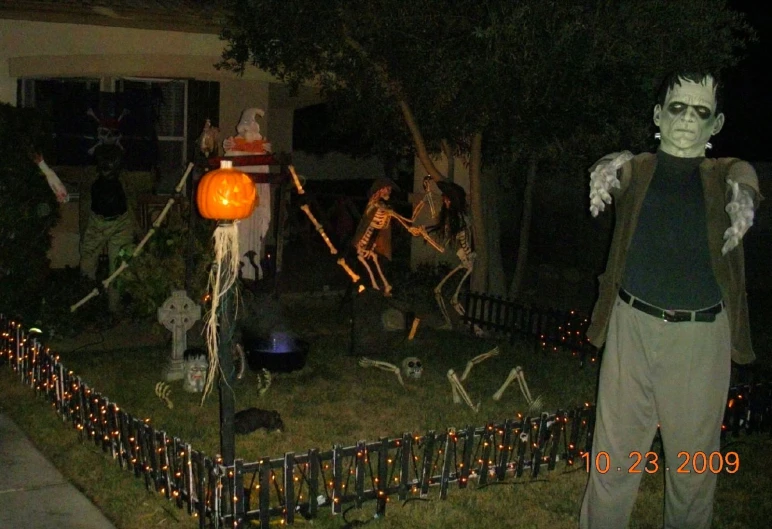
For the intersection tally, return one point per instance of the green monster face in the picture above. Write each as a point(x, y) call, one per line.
point(688, 118)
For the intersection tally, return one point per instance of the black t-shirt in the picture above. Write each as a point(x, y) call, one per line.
point(107, 197)
point(668, 262)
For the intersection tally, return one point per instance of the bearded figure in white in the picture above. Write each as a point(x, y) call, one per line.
point(671, 311)
point(252, 231)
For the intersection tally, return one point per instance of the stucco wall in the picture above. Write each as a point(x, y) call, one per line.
point(45, 49)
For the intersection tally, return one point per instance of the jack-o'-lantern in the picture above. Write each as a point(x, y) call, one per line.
point(226, 194)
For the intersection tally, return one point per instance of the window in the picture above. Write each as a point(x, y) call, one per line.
point(149, 114)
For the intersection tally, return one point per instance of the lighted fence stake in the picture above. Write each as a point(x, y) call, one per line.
point(314, 489)
point(264, 499)
point(505, 453)
point(337, 479)
point(406, 460)
point(466, 458)
point(522, 444)
point(289, 488)
point(449, 448)
point(382, 486)
point(359, 473)
point(237, 495)
point(541, 436)
point(426, 466)
point(555, 435)
point(486, 439)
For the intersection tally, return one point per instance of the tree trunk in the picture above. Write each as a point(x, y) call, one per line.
point(497, 285)
point(516, 288)
point(479, 280)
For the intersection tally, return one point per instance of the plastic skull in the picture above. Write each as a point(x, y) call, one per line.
point(412, 367)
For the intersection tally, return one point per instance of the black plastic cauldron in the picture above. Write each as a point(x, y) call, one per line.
point(279, 352)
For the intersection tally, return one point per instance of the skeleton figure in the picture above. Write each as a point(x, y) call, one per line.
point(195, 366)
point(373, 235)
point(454, 227)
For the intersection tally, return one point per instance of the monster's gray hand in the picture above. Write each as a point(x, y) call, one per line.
point(603, 178)
point(740, 210)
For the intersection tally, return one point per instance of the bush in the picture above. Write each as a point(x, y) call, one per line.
point(28, 210)
point(161, 267)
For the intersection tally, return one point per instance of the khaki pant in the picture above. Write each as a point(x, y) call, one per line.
point(117, 234)
point(653, 372)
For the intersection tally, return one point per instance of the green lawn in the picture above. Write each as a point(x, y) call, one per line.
point(334, 401)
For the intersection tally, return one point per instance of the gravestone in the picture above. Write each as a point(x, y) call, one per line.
point(178, 314)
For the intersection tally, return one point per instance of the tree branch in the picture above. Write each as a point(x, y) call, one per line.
point(394, 88)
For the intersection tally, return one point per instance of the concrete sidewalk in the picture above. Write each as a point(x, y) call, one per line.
point(34, 494)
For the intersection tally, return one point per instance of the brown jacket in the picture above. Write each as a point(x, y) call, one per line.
point(729, 269)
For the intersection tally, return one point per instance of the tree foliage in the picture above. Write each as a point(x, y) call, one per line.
point(28, 210)
point(535, 79)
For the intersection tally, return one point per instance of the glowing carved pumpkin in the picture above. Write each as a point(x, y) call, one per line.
point(226, 194)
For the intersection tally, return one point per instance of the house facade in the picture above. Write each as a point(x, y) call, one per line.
point(144, 67)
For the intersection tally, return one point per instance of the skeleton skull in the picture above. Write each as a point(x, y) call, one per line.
point(412, 367)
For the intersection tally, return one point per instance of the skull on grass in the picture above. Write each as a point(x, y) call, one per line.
point(412, 367)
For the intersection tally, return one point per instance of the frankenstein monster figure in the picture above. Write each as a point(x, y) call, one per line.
point(671, 310)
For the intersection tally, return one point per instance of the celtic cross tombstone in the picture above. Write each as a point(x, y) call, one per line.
point(178, 314)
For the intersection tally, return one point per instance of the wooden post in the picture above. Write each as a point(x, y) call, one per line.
point(227, 398)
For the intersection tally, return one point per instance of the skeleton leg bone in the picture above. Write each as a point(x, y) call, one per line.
point(478, 359)
point(459, 308)
point(441, 300)
point(385, 366)
point(362, 256)
point(513, 374)
point(386, 285)
point(458, 389)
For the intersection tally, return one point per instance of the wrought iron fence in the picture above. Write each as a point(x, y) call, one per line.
point(547, 328)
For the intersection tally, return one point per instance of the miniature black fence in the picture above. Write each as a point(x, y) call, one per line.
point(279, 489)
point(168, 465)
point(407, 467)
point(547, 328)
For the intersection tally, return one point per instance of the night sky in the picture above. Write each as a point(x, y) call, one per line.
point(748, 105)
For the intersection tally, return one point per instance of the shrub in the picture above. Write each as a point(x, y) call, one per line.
point(28, 210)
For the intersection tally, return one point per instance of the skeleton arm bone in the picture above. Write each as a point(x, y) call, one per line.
point(741, 213)
point(477, 359)
point(385, 366)
point(603, 179)
point(458, 389)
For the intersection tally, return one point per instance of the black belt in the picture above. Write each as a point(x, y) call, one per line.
point(708, 314)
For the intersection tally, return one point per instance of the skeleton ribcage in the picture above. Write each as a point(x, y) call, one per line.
point(380, 221)
point(463, 243)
